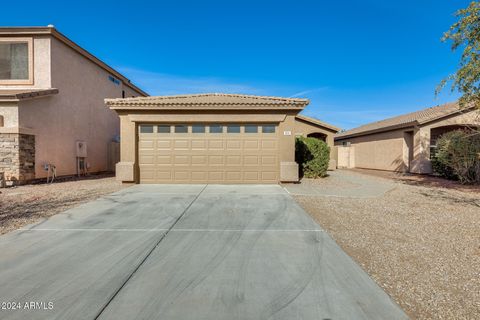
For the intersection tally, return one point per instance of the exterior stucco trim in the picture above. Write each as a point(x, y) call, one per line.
point(30, 80)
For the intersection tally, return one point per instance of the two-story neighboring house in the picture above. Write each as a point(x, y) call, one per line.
point(52, 108)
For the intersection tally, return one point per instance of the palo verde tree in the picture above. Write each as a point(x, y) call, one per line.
point(465, 34)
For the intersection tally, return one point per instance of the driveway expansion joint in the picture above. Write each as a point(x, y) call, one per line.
point(149, 253)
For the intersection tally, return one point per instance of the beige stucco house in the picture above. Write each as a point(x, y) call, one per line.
point(51, 104)
point(212, 138)
point(402, 143)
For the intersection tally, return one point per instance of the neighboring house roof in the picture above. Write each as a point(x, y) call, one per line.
point(405, 120)
point(29, 31)
point(19, 94)
point(317, 122)
point(207, 101)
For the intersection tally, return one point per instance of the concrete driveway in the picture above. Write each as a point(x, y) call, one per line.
point(185, 252)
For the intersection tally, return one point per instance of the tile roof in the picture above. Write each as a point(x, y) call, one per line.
point(404, 120)
point(317, 122)
point(207, 101)
point(18, 94)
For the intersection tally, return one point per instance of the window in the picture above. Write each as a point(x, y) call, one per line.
point(250, 128)
point(216, 128)
point(16, 61)
point(114, 80)
point(268, 129)
point(233, 128)
point(163, 129)
point(146, 129)
point(181, 129)
point(198, 128)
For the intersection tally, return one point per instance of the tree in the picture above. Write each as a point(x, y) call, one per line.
point(465, 34)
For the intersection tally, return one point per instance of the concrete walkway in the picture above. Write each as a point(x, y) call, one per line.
point(186, 252)
point(342, 184)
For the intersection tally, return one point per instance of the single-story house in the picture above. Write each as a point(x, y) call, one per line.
point(212, 138)
point(52, 112)
point(402, 143)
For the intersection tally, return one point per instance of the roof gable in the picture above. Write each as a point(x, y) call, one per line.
point(317, 122)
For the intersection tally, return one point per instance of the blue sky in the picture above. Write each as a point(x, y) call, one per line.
point(357, 61)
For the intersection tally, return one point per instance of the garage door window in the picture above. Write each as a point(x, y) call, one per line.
point(198, 128)
point(268, 129)
point(163, 129)
point(249, 128)
point(146, 129)
point(233, 128)
point(181, 129)
point(215, 128)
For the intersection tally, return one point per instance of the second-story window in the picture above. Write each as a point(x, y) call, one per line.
point(16, 61)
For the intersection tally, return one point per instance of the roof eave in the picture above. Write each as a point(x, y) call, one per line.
point(427, 121)
point(28, 95)
point(203, 108)
point(380, 130)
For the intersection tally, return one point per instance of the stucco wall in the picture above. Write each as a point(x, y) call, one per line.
point(9, 112)
point(76, 113)
point(382, 151)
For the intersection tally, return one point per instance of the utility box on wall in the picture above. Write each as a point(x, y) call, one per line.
point(81, 149)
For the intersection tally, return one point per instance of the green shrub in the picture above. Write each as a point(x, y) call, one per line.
point(440, 168)
point(313, 156)
point(458, 155)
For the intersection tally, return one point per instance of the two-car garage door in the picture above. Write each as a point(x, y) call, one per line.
point(208, 153)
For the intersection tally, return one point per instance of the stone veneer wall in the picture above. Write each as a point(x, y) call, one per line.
point(17, 156)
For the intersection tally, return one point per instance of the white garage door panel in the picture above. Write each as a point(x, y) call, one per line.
point(208, 157)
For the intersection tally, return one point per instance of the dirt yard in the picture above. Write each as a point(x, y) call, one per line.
point(420, 241)
point(23, 205)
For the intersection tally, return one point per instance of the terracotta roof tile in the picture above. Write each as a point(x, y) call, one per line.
point(206, 100)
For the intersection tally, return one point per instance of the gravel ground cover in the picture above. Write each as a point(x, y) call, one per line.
point(419, 241)
point(27, 204)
